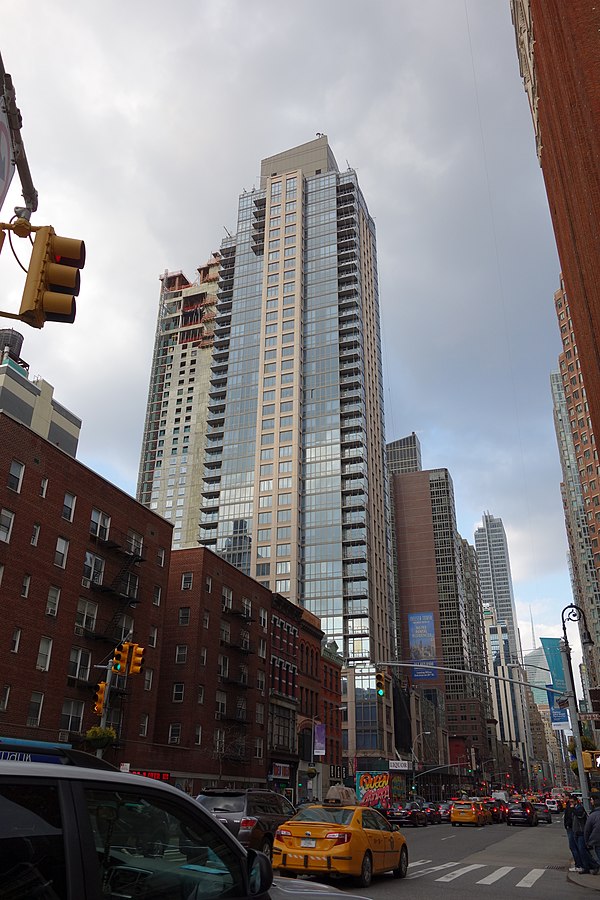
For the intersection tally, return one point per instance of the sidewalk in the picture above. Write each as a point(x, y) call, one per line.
point(588, 881)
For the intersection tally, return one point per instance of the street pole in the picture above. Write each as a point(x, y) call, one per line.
point(575, 614)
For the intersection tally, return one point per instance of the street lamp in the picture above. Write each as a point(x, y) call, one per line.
point(573, 613)
point(490, 759)
point(413, 757)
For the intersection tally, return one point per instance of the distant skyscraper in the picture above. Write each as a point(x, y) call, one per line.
point(496, 579)
point(295, 483)
point(170, 478)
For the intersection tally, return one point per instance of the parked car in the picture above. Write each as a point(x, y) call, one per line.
point(409, 813)
point(432, 811)
point(445, 810)
point(543, 813)
point(71, 832)
point(336, 840)
point(467, 812)
point(522, 813)
point(252, 815)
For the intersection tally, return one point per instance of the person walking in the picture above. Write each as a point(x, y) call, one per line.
point(568, 824)
point(591, 834)
point(588, 865)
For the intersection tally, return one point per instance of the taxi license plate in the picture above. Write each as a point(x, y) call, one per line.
point(308, 842)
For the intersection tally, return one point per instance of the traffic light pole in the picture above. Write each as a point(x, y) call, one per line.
point(13, 114)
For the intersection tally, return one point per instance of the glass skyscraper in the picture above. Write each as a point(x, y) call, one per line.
point(295, 490)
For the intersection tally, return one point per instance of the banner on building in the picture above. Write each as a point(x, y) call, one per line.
point(320, 739)
point(421, 639)
point(551, 647)
point(559, 718)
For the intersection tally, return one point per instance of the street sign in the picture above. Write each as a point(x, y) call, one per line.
point(589, 717)
point(7, 166)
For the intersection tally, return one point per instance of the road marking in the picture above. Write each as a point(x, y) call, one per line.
point(418, 862)
point(497, 875)
point(530, 878)
point(458, 872)
point(433, 869)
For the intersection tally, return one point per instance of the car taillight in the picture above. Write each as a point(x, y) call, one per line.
point(248, 822)
point(282, 832)
point(340, 837)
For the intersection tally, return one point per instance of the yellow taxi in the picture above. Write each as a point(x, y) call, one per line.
point(467, 812)
point(337, 840)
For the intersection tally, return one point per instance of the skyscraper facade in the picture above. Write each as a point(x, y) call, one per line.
point(496, 579)
point(170, 477)
point(294, 487)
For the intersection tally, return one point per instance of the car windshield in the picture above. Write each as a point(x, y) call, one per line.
point(220, 803)
point(324, 814)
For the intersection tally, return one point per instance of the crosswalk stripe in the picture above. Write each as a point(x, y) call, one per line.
point(418, 862)
point(432, 869)
point(497, 875)
point(530, 878)
point(458, 872)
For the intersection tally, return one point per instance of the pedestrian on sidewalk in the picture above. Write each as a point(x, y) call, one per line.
point(591, 834)
point(588, 865)
point(568, 824)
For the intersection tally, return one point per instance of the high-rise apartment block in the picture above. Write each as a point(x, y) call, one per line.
point(294, 470)
point(495, 577)
point(557, 45)
point(170, 476)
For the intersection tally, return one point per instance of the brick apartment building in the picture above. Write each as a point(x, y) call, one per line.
point(83, 566)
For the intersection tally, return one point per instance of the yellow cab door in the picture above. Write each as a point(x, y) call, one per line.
point(376, 840)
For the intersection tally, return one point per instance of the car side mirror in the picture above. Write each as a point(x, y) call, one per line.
point(260, 873)
point(395, 828)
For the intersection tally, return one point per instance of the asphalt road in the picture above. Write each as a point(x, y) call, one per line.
point(491, 863)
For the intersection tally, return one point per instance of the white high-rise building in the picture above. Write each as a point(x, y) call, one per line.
point(495, 578)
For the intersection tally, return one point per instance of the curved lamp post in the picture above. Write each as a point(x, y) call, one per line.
point(573, 613)
point(413, 757)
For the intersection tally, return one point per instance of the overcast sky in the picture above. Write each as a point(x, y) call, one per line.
point(144, 122)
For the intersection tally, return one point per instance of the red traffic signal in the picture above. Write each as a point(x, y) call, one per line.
point(53, 279)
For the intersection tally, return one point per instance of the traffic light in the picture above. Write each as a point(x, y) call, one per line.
point(52, 281)
point(99, 698)
point(136, 664)
point(380, 684)
point(119, 662)
point(587, 759)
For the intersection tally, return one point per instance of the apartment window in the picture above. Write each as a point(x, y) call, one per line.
point(184, 615)
point(135, 542)
point(186, 581)
point(15, 476)
point(129, 585)
point(68, 510)
point(181, 653)
point(35, 534)
point(148, 677)
point(260, 714)
point(219, 740)
point(221, 702)
point(175, 733)
point(198, 735)
point(152, 636)
point(225, 633)
point(247, 607)
point(1, 572)
point(160, 559)
point(99, 524)
point(226, 598)
point(4, 695)
point(52, 600)
point(202, 657)
point(260, 682)
point(263, 618)
point(6, 523)
point(200, 693)
point(178, 690)
point(15, 640)
point(80, 662)
point(44, 653)
point(156, 595)
point(34, 713)
point(259, 748)
point(262, 648)
point(93, 568)
point(223, 666)
point(43, 487)
point(25, 585)
point(61, 552)
point(208, 584)
point(143, 729)
point(205, 618)
point(85, 618)
point(71, 717)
